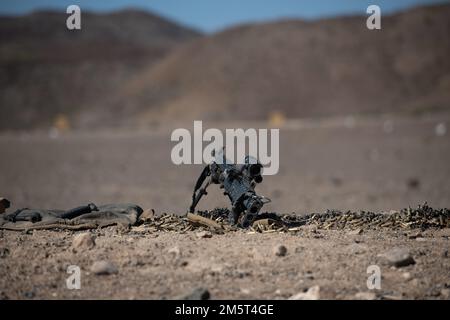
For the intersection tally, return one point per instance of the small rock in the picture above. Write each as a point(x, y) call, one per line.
point(83, 241)
point(365, 296)
point(399, 257)
point(357, 248)
point(245, 291)
point(313, 293)
point(445, 293)
point(203, 234)
point(196, 294)
point(407, 276)
point(175, 251)
point(280, 250)
point(103, 268)
point(355, 232)
point(415, 235)
point(445, 254)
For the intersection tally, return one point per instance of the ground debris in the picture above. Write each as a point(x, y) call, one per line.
point(313, 293)
point(216, 221)
point(103, 267)
point(399, 257)
point(199, 293)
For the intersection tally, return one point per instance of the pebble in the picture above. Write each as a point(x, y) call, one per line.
point(203, 234)
point(407, 276)
point(83, 241)
point(175, 251)
point(103, 267)
point(355, 232)
point(199, 293)
point(366, 296)
point(313, 293)
point(399, 257)
point(445, 293)
point(415, 235)
point(280, 250)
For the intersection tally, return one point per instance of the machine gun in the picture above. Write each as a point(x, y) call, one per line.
point(238, 182)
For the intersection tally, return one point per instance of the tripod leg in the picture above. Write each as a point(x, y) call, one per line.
point(196, 198)
point(233, 216)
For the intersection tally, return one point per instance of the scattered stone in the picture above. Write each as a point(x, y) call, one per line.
point(134, 262)
point(445, 293)
point(366, 296)
point(83, 241)
point(280, 250)
point(196, 294)
point(399, 257)
point(103, 267)
point(415, 235)
point(313, 293)
point(407, 276)
point(175, 251)
point(245, 291)
point(203, 234)
point(357, 248)
point(355, 232)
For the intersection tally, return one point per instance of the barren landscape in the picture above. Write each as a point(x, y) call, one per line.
point(378, 164)
point(364, 118)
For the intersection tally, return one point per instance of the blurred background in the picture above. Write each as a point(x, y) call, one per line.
point(86, 115)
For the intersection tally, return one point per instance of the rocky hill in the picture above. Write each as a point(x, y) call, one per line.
point(132, 67)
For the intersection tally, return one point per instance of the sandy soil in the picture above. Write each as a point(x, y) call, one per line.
point(360, 164)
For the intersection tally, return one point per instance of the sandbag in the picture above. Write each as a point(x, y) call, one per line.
point(84, 217)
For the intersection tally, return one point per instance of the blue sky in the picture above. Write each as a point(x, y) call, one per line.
point(214, 15)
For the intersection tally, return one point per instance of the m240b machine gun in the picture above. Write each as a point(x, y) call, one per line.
point(238, 182)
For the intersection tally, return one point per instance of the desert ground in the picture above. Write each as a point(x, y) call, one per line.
point(380, 163)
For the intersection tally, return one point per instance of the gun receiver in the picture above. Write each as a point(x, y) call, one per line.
point(238, 182)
